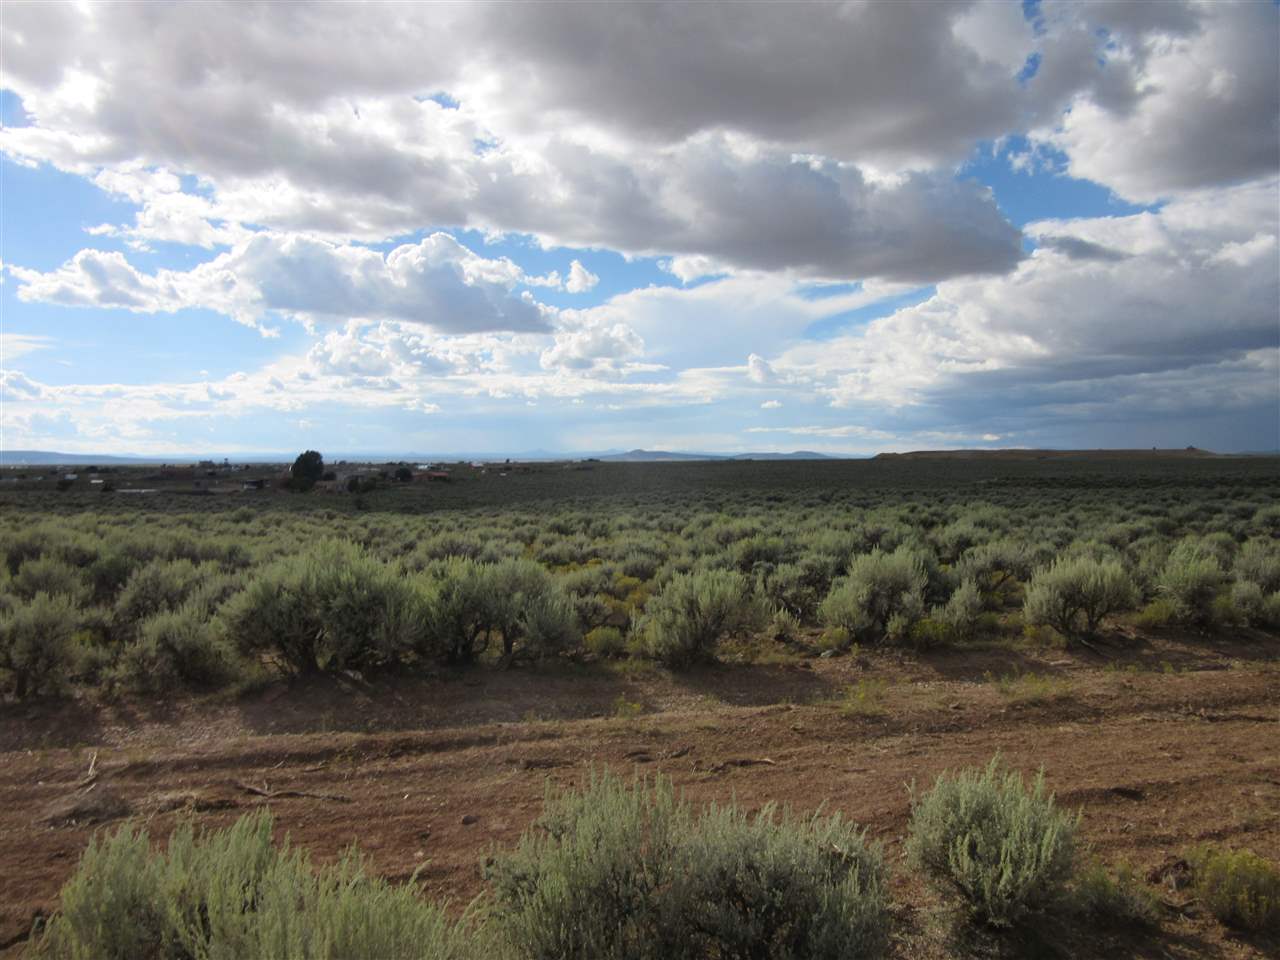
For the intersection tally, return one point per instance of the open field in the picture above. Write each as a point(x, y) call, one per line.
point(1161, 724)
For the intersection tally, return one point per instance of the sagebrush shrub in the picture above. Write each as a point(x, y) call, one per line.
point(458, 623)
point(155, 587)
point(177, 648)
point(529, 611)
point(109, 573)
point(618, 872)
point(774, 885)
point(1270, 615)
point(784, 626)
point(963, 610)
point(1116, 897)
point(587, 880)
point(38, 647)
point(1190, 580)
point(878, 588)
point(1006, 850)
point(606, 642)
point(52, 576)
point(467, 604)
point(1248, 603)
point(1073, 596)
point(1259, 562)
point(329, 608)
point(799, 587)
point(683, 622)
point(1240, 888)
point(995, 564)
point(232, 893)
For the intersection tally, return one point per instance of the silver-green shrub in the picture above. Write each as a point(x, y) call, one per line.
point(993, 565)
point(467, 605)
point(1248, 603)
point(684, 621)
point(458, 623)
point(52, 576)
point(618, 872)
point(776, 885)
point(155, 587)
point(963, 610)
point(1073, 596)
point(1006, 850)
point(880, 588)
point(329, 608)
point(1259, 562)
point(529, 611)
point(587, 880)
point(177, 648)
point(38, 649)
point(1099, 894)
point(232, 894)
point(1191, 579)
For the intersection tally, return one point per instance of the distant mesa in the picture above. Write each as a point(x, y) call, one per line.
point(651, 456)
point(1185, 453)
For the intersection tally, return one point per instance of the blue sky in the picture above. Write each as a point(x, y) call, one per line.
point(884, 228)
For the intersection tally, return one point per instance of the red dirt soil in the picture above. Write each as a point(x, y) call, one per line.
point(1180, 745)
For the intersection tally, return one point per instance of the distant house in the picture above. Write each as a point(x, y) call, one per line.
point(71, 476)
point(252, 484)
point(440, 476)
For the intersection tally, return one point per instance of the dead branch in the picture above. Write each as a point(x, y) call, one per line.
point(92, 773)
point(742, 762)
point(265, 791)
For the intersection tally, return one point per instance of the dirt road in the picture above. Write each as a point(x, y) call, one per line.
point(429, 775)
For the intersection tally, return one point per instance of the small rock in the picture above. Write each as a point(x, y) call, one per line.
point(469, 819)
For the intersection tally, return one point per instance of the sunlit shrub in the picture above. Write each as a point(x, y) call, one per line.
point(879, 588)
point(963, 611)
point(1190, 580)
point(1259, 562)
point(683, 622)
point(1073, 596)
point(232, 893)
point(994, 565)
point(1240, 888)
point(1007, 851)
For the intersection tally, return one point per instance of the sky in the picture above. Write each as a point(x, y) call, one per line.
point(563, 227)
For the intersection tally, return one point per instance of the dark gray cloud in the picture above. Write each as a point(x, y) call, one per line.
point(1078, 249)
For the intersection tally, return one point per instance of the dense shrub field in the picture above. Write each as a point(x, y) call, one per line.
point(662, 561)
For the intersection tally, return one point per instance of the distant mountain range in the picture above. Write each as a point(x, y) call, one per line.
point(16, 458)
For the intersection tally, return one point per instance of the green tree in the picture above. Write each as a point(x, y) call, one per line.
point(306, 470)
